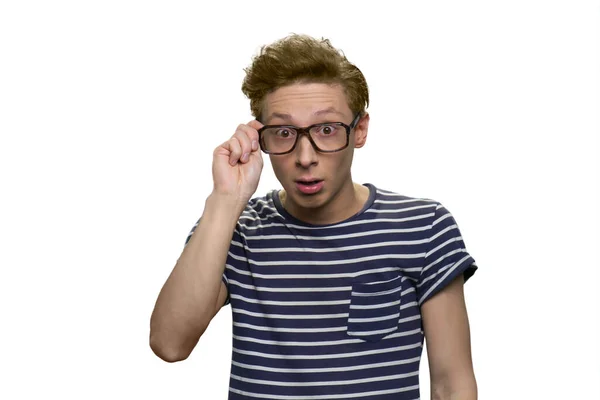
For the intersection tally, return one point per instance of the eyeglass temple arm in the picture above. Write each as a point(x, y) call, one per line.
point(356, 119)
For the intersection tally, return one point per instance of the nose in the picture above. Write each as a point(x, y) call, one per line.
point(306, 155)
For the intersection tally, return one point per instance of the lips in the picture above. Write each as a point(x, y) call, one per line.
point(308, 180)
point(309, 185)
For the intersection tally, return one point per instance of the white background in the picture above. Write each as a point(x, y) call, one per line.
point(109, 112)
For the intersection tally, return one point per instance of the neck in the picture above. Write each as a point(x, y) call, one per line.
point(349, 200)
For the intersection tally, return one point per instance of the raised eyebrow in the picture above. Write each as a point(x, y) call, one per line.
point(329, 110)
point(288, 117)
point(283, 116)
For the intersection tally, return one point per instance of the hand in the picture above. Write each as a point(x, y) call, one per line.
point(238, 163)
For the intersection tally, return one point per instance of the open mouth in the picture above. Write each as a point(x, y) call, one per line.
point(309, 183)
point(309, 187)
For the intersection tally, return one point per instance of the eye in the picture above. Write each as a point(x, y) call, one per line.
point(284, 133)
point(327, 130)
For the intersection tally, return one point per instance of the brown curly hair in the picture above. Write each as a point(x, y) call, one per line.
point(303, 59)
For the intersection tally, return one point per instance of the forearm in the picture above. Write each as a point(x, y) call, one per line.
point(188, 299)
point(448, 339)
point(462, 389)
point(461, 395)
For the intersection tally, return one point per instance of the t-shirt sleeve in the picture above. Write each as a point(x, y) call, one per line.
point(446, 257)
point(232, 257)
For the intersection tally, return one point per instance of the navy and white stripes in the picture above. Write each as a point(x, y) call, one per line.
point(333, 312)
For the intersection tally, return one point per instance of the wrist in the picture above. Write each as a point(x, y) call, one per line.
point(225, 206)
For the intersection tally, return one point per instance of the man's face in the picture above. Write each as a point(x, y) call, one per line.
point(302, 105)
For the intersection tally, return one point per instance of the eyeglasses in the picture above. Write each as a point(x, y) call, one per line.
point(327, 137)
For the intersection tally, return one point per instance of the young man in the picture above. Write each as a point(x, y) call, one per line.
point(333, 285)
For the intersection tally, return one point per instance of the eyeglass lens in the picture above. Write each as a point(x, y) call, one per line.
point(327, 137)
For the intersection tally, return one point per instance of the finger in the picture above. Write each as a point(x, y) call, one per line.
point(248, 138)
point(235, 150)
point(255, 125)
point(245, 144)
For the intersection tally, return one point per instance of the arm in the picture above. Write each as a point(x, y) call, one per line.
point(447, 336)
point(194, 292)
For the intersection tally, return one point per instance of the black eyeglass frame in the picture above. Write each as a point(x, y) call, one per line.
point(305, 131)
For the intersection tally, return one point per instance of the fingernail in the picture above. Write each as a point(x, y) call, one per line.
point(254, 145)
point(245, 157)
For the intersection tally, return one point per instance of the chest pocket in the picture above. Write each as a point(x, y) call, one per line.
point(374, 309)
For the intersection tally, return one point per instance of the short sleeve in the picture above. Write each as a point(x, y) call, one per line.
point(231, 257)
point(446, 257)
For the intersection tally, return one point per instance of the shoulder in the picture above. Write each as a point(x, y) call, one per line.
point(386, 195)
point(410, 205)
point(259, 210)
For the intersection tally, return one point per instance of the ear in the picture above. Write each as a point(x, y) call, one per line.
point(361, 130)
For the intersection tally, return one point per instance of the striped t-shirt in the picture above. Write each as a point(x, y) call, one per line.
point(333, 311)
